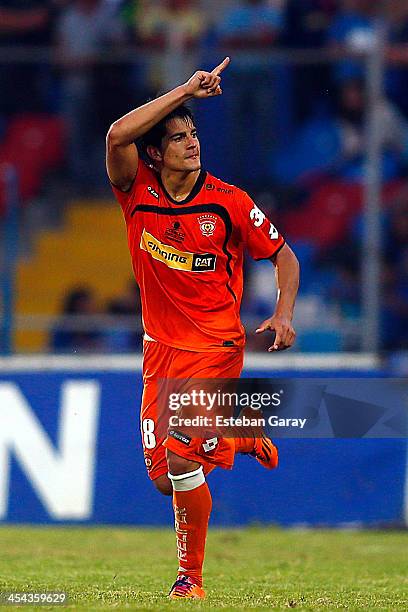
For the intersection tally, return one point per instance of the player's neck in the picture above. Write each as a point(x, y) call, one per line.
point(179, 184)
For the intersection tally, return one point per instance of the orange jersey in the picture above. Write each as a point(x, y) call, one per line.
point(187, 258)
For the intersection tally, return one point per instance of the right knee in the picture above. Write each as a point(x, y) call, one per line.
point(179, 465)
point(163, 484)
point(185, 475)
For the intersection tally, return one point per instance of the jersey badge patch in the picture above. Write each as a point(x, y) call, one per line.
point(207, 224)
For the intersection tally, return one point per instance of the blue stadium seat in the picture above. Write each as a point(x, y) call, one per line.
point(319, 341)
point(316, 147)
point(305, 252)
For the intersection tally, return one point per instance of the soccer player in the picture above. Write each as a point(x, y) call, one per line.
point(187, 231)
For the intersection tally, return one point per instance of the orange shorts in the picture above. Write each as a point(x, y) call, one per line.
point(164, 362)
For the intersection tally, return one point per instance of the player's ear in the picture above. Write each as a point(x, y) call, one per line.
point(154, 153)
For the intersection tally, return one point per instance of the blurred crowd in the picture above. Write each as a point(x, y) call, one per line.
point(86, 325)
point(108, 55)
point(297, 128)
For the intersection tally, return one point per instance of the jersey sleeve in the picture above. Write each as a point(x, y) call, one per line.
point(258, 233)
point(126, 198)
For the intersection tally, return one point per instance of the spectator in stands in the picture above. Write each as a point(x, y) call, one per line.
point(307, 22)
point(395, 277)
point(181, 19)
point(352, 31)
point(337, 144)
point(71, 333)
point(131, 13)
point(306, 25)
point(397, 73)
point(84, 30)
point(175, 26)
point(23, 86)
point(343, 262)
point(124, 308)
point(351, 116)
point(248, 31)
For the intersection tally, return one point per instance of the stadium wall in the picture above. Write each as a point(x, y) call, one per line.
point(70, 452)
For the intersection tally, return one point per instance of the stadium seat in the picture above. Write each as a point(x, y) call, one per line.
point(327, 216)
point(28, 168)
point(91, 233)
point(41, 136)
point(315, 148)
point(305, 251)
point(355, 169)
point(319, 341)
point(323, 282)
point(33, 144)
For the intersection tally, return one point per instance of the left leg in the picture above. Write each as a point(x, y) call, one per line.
point(188, 457)
point(192, 507)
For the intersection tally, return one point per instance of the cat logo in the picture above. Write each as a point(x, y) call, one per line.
point(204, 262)
point(173, 258)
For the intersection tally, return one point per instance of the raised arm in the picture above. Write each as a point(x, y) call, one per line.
point(287, 280)
point(121, 152)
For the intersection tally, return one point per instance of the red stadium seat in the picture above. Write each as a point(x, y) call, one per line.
point(37, 135)
point(328, 214)
point(29, 170)
point(33, 144)
point(392, 191)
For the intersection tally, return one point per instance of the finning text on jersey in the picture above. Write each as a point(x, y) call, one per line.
point(173, 258)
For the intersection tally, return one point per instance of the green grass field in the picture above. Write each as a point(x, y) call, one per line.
point(256, 568)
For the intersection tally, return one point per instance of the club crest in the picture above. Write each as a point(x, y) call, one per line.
point(207, 224)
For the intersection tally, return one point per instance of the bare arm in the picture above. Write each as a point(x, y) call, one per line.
point(287, 280)
point(121, 152)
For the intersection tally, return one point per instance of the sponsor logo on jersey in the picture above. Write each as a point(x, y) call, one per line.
point(210, 445)
point(203, 262)
point(175, 233)
point(153, 192)
point(207, 224)
point(181, 437)
point(173, 258)
point(226, 190)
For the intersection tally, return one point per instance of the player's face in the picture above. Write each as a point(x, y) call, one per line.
point(181, 147)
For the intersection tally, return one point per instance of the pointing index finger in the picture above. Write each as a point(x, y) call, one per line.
point(218, 69)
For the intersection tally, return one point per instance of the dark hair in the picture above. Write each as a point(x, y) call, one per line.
point(156, 134)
